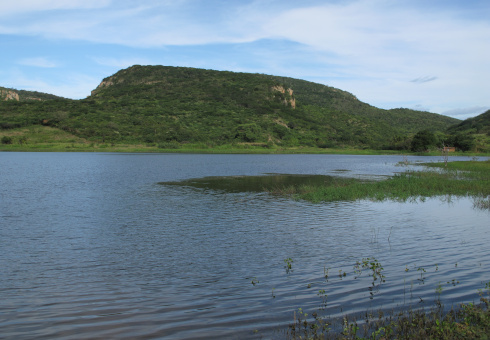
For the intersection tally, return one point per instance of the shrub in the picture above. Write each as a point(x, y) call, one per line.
point(6, 140)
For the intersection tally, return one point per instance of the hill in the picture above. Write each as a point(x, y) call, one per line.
point(479, 125)
point(171, 106)
point(22, 95)
point(472, 133)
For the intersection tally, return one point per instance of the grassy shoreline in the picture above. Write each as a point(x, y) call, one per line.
point(225, 149)
point(49, 139)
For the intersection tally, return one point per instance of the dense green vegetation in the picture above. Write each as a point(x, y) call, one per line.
point(467, 321)
point(471, 178)
point(472, 134)
point(175, 107)
point(478, 124)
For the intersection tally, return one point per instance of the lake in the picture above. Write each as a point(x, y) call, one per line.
point(93, 245)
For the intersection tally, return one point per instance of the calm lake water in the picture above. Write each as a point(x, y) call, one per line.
point(92, 245)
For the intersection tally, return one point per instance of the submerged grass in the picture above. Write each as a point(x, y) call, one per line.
point(468, 321)
point(462, 321)
point(470, 178)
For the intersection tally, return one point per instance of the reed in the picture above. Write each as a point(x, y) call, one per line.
point(467, 321)
point(470, 178)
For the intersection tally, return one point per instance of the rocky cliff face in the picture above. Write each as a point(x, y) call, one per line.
point(289, 95)
point(105, 83)
point(6, 94)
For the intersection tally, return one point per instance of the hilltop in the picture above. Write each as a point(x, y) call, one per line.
point(175, 106)
point(479, 124)
point(22, 95)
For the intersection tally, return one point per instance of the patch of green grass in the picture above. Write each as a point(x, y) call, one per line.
point(468, 321)
point(470, 178)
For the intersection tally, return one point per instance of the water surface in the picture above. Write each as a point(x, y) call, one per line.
point(93, 246)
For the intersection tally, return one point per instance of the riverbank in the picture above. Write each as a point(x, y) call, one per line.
point(204, 149)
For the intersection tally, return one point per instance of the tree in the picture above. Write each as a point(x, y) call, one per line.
point(423, 140)
point(463, 142)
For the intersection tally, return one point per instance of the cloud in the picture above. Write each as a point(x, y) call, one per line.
point(424, 79)
point(26, 6)
point(367, 47)
point(37, 62)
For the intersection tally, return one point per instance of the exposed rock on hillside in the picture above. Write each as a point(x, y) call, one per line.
point(6, 94)
point(290, 100)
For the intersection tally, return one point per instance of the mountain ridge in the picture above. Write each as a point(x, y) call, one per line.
point(179, 105)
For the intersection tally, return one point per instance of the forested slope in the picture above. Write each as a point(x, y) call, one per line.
point(162, 105)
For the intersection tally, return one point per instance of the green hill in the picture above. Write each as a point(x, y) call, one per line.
point(21, 95)
point(472, 133)
point(172, 106)
point(479, 125)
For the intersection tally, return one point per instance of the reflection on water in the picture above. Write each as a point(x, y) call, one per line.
point(93, 247)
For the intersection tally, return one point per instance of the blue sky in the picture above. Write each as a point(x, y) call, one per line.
point(430, 55)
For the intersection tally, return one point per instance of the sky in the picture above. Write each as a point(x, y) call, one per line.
point(431, 55)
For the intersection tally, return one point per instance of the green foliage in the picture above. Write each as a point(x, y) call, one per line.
point(466, 321)
point(458, 178)
point(6, 140)
point(479, 124)
point(423, 141)
point(473, 134)
point(462, 141)
point(158, 105)
point(29, 95)
point(288, 265)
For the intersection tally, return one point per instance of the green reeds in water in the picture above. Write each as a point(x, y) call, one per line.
point(463, 321)
point(468, 321)
point(458, 179)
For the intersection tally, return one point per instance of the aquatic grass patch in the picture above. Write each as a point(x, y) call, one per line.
point(466, 321)
point(461, 179)
point(278, 184)
point(460, 321)
point(482, 202)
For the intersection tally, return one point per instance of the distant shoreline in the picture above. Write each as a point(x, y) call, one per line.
point(225, 149)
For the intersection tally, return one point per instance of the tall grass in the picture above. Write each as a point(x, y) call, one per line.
point(459, 179)
point(468, 321)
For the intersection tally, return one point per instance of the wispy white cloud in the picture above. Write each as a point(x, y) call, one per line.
point(37, 62)
point(424, 79)
point(147, 23)
point(378, 47)
point(27, 6)
point(385, 52)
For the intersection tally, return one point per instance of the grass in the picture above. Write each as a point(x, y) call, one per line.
point(45, 138)
point(88, 146)
point(463, 321)
point(468, 321)
point(469, 178)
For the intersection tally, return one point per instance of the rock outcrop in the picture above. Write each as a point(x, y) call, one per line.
point(8, 95)
point(289, 100)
